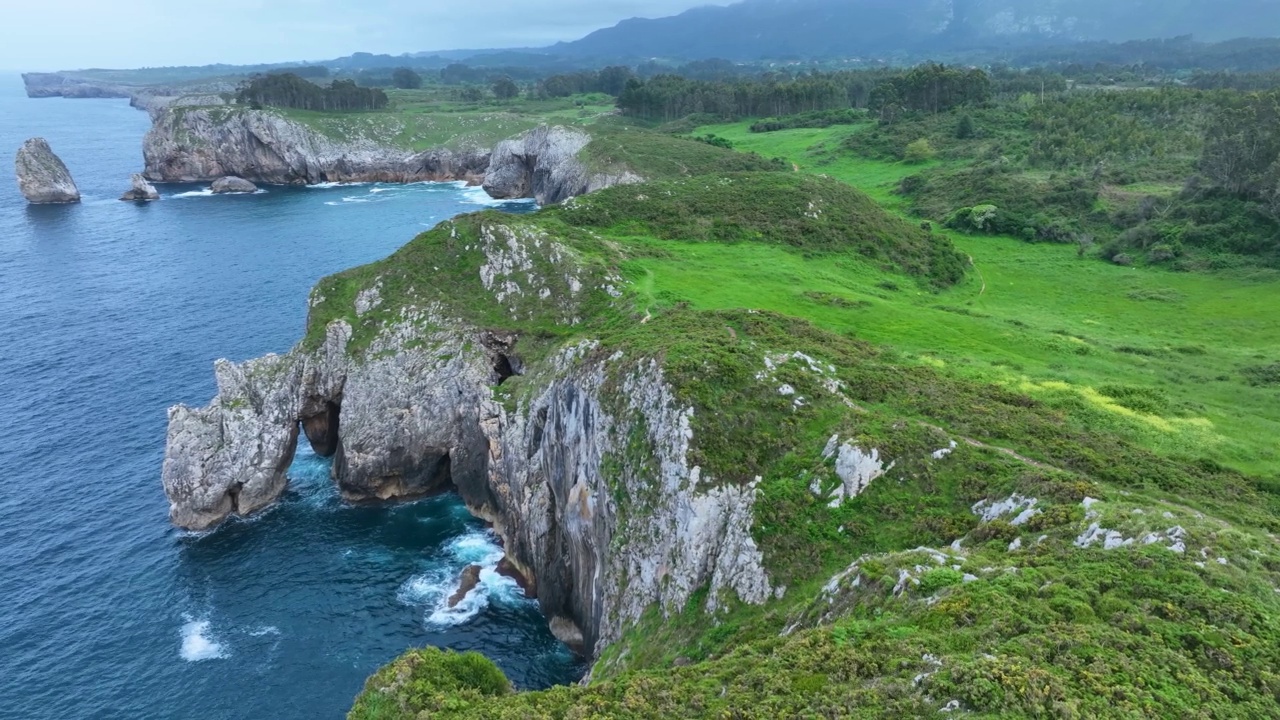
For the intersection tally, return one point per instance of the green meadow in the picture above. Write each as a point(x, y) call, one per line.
point(1169, 359)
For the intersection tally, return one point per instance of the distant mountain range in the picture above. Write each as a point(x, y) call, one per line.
point(774, 29)
point(754, 30)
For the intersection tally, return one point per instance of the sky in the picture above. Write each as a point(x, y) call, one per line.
point(73, 34)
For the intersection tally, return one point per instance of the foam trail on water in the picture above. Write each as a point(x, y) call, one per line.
point(327, 185)
point(207, 192)
point(197, 645)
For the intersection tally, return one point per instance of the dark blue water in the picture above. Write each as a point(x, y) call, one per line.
point(109, 313)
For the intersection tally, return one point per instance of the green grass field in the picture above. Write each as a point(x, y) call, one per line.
point(1031, 317)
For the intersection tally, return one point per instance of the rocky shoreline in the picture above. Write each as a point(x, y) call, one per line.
point(202, 144)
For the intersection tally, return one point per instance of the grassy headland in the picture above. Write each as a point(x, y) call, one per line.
point(1134, 403)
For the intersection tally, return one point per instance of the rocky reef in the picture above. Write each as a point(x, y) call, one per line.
point(200, 144)
point(140, 190)
point(232, 185)
point(42, 176)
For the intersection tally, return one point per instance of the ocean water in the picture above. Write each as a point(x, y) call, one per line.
point(109, 313)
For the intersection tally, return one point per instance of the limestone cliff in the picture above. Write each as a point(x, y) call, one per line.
point(46, 85)
point(42, 176)
point(204, 143)
point(198, 144)
point(545, 164)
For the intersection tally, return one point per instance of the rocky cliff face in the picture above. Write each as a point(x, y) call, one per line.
point(197, 144)
point(544, 164)
point(587, 476)
point(42, 176)
point(46, 85)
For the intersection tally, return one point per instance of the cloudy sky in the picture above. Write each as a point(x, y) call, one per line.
point(67, 34)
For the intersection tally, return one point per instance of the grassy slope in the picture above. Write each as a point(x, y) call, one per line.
point(1070, 633)
point(1033, 317)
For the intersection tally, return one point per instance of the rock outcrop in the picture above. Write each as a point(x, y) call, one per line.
point(589, 478)
point(545, 164)
point(201, 144)
point(42, 176)
point(232, 185)
point(467, 582)
point(140, 190)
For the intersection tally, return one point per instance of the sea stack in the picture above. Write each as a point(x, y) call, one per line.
point(42, 176)
point(141, 190)
point(228, 185)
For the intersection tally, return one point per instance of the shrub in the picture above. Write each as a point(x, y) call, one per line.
point(1262, 375)
point(938, 578)
point(920, 151)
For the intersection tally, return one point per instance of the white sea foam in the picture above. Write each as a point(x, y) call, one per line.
point(208, 192)
point(475, 548)
point(433, 588)
point(197, 644)
point(265, 630)
point(477, 196)
point(327, 185)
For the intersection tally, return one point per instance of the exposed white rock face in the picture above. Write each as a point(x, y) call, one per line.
point(232, 185)
point(140, 190)
point(543, 164)
point(42, 176)
point(201, 144)
point(681, 531)
point(855, 468)
point(990, 510)
point(231, 457)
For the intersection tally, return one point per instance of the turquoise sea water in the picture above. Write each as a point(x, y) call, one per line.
point(109, 313)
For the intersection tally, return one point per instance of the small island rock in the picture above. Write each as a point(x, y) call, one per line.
point(233, 185)
point(141, 190)
point(42, 176)
point(468, 582)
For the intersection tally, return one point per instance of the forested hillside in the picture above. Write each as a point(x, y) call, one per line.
point(849, 28)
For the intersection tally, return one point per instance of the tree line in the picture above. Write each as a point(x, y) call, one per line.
point(1242, 151)
point(290, 91)
point(930, 88)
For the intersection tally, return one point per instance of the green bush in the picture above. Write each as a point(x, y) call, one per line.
point(920, 151)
